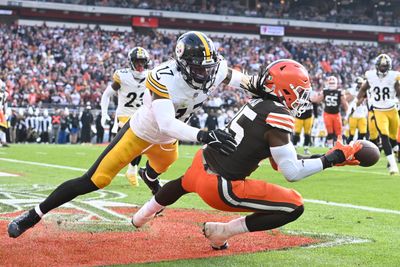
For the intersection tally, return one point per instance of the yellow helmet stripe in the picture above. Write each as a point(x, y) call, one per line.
point(205, 43)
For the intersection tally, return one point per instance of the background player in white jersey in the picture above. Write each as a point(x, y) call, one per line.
point(3, 121)
point(357, 115)
point(129, 84)
point(176, 89)
point(382, 88)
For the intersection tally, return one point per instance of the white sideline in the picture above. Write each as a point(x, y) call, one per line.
point(315, 201)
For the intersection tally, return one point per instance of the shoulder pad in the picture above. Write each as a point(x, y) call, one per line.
point(155, 84)
point(281, 121)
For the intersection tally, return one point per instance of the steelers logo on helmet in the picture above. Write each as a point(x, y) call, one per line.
point(179, 49)
point(139, 59)
point(383, 64)
point(197, 60)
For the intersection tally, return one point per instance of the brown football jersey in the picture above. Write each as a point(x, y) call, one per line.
point(249, 127)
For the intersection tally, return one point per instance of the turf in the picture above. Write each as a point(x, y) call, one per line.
point(371, 187)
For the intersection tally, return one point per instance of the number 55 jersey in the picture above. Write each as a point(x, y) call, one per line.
point(381, 94)
point(167, 82)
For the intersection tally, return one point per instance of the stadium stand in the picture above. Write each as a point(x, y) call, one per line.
point(353, 12)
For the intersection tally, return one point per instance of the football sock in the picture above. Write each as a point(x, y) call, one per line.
point(150, 208)
point(151, 174)
point(136, 161)
point(386, 145)
point(66, 192)
point(237, 226)
point(267, 221)
point(393, 142)
point(296, 139)
point(307, 140)
point(170, 192)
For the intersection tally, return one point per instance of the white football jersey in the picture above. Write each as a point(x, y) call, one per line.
point(166, 81)
point(359, 112)
point(381, 94)
point(130, 94)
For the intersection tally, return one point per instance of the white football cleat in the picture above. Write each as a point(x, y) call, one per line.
point(217, 234)
point(132, 175)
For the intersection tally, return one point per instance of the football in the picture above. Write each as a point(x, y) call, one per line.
point(368, 155)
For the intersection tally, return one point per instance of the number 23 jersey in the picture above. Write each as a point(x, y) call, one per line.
point(381, 93)
point(166, 81)
point(130, 94)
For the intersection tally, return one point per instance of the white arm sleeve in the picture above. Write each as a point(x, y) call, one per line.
point(164, 113)
point(236, 78)
point(105, 99)
point(293, 169)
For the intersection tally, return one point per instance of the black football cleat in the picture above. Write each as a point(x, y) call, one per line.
point(22, 223)
point(153, 185)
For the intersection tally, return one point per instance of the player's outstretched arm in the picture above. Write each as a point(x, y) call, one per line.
point(294, 169)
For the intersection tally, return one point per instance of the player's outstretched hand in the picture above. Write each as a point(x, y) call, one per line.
point(344, 153)
point(218, 139)
point(104, 119)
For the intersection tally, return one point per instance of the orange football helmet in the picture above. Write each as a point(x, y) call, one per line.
point(289, 81)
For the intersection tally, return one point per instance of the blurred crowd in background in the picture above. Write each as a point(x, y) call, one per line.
point(371, 12)
point(63, 69)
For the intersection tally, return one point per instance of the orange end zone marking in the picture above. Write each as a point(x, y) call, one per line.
point(173, 236)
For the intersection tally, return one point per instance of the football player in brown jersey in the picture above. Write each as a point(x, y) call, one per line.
point(262, 129)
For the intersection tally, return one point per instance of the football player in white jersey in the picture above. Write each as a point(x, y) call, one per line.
point(129, 84)
point(382, 88)
point(357, 115)
point(175, 89)
point(3, 121)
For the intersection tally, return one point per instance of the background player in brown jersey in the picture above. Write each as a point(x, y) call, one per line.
point(332, 98)
point(262, 129)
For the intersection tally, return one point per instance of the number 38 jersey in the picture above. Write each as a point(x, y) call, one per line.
point(130, 94)
point(166, 81)
point(332, 100)
point(381, 94)
point(249, 127)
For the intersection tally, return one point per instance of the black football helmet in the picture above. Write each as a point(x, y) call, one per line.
point(383, 64)
point(197, 60)
point(139, 59)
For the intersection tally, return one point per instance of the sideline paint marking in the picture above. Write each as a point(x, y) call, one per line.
point(6, 174)
point(315, 201)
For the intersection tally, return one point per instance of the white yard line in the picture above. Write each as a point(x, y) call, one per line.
point(46, 165)
point(315, 201)
point(351, 206)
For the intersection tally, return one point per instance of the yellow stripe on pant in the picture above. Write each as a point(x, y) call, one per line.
point(125, 147)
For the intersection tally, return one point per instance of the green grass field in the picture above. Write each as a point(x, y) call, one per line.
point(360, 190)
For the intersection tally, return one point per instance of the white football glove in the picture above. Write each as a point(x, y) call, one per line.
point(104, 119)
